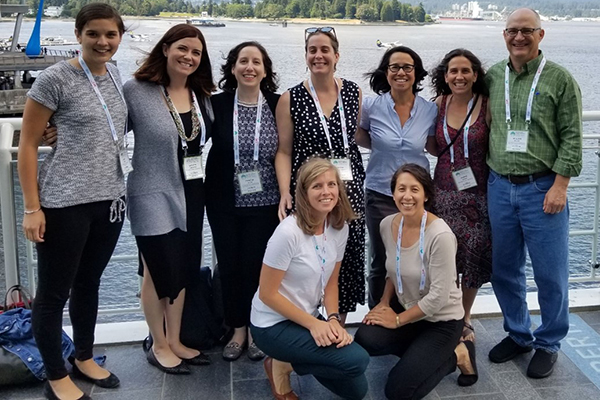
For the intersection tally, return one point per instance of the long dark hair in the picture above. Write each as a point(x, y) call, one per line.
point(378, 77)
point(438, 74)
point(228, 81)
point(154, 68)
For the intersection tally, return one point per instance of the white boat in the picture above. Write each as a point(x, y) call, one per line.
point(388, 45)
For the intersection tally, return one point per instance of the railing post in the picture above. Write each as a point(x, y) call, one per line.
point(7, 205)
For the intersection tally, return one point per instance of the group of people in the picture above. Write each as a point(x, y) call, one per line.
point(288, 201)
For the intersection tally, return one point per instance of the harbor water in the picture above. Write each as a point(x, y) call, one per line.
point(574, 45)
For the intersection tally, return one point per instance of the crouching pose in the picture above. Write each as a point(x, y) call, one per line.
point(421, 274)
point(299, 275)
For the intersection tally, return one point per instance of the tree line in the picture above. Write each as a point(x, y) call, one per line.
point(366, 10)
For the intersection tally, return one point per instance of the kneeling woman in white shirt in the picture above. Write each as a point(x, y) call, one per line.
point(299, 275)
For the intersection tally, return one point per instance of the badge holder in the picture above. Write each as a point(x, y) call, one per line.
point(464, 178)
point(344, 168)
point(192, 167)
point(126, 166)
point(249, 182)
point(516, 141)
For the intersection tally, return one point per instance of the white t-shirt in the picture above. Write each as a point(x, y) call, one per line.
point(293, 251)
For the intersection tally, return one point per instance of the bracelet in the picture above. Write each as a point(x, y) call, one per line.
point(397, 320)
point(335, 316)
point(29, 212)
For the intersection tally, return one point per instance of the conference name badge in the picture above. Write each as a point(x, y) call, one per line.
point(192, 168)
point(249, 182)
point(464, 178)
point(343, 166)
point(516, 141)
point(126, 166)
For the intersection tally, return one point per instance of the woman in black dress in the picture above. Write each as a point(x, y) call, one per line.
point(318, 117)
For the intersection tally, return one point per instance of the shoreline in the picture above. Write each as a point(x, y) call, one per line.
point(315, 21)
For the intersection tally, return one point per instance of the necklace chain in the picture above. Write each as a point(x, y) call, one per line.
point(179, 124)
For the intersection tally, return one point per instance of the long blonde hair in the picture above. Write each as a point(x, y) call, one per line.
point(341, 213)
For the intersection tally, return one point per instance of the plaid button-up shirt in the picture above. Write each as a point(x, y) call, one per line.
point(555, 132)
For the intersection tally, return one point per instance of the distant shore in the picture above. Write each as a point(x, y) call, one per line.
point(315, 21)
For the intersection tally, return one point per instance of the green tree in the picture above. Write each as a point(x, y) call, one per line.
point(338, 8)
point(366, 12)
point(293, 10)
point(387, 12)
point(350, 9)
point(419, 13)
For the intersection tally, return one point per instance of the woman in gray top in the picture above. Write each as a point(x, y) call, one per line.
point(74, 210)
point(169, 114)
point(420, 315)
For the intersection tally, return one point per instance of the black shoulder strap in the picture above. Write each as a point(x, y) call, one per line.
point(461, 127)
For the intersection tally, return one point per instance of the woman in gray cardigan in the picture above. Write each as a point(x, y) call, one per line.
point(170, 115)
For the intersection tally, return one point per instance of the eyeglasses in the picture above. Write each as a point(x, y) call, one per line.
point(407, 68)
point(315, 29)
point(513, 32)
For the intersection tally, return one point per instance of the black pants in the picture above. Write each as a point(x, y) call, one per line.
point(378, 206)
point(79, 242)
point(426, 351)
point(240, 240)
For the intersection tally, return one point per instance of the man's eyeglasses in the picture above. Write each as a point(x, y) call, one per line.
point(513, 32)
point(407, 68)
point(315, 29)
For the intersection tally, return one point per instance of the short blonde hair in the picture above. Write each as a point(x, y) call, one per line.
point(341, 213)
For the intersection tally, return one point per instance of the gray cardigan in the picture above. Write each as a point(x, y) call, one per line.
point(156, 200)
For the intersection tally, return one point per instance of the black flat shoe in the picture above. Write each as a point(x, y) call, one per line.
point(200, 359)
point(50, 395)
point(468, 380)
point(109, 382)
point(180, 369)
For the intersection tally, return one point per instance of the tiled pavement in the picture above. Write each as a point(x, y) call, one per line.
point(245, 379)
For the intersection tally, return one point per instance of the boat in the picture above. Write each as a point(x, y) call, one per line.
point(388, 45)
point(138, 37)
point(16, 67)
point(204, 21)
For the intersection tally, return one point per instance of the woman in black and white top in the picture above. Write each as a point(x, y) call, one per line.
point(74, 210)
point(242, 191)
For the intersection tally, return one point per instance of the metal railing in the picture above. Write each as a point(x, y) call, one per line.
point(9, 228)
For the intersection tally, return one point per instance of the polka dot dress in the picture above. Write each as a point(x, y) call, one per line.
point(309, 141)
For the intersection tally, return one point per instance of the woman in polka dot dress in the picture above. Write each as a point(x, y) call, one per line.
point(318, 117)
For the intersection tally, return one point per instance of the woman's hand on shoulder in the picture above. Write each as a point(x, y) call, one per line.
point(381, 315)
point(34, 226)
point(323, 333)
point(285, 204)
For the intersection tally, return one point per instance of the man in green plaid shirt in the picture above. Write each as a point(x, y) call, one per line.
point(534, 150)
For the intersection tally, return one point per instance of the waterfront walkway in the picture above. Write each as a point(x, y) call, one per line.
point(245, 379)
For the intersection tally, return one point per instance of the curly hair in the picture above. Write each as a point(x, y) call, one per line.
point(378, 76)
point(229, 83)
point(154, 67)
point(438, 74)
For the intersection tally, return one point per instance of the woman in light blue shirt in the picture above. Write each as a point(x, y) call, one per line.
point(396, 125)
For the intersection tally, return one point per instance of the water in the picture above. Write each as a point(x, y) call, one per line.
point(576, 46)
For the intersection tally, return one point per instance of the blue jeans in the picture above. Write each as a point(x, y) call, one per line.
point(340, 370)
point(518, 222)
